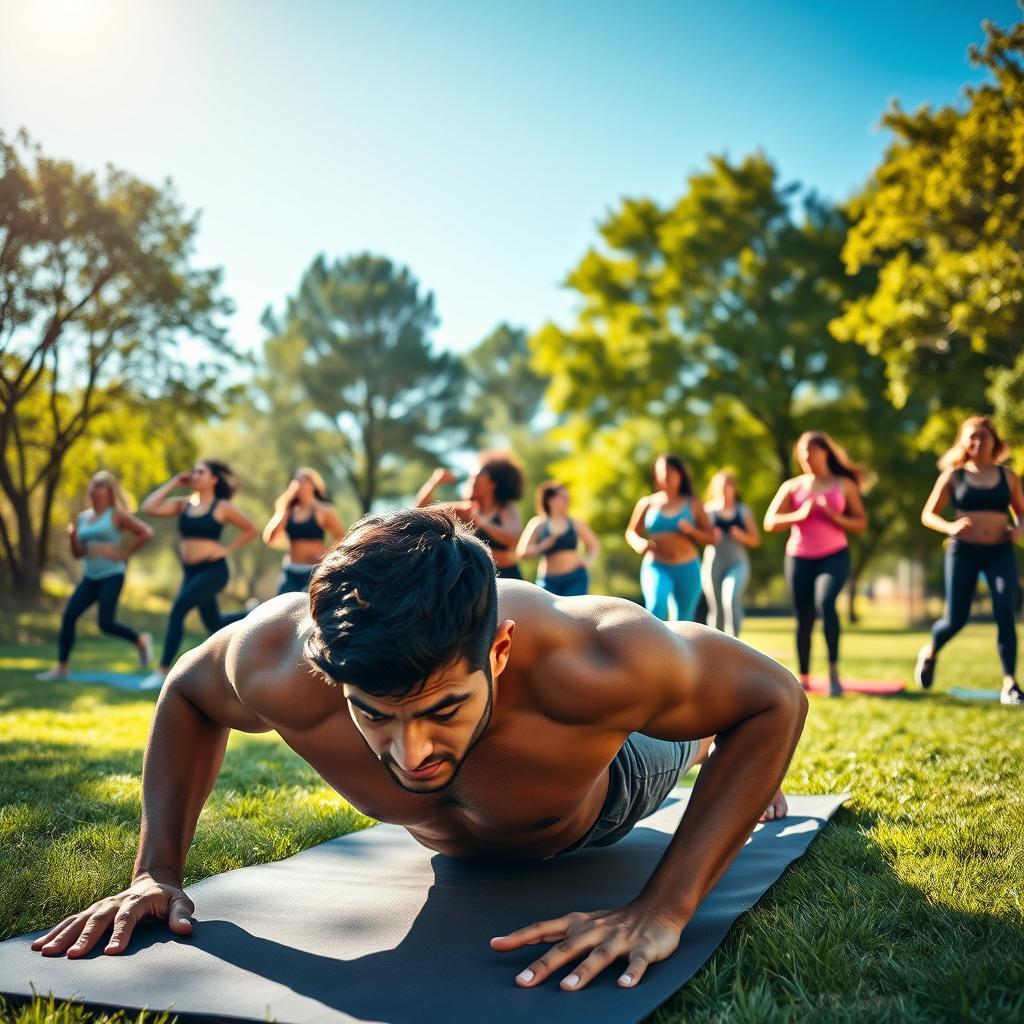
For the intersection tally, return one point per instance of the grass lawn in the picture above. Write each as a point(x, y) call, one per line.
point(909, 906)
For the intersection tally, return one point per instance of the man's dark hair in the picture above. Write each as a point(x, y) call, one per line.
point(404, 595)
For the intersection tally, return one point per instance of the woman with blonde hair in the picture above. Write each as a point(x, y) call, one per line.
point(726, 566)
point(819, 508)
point(984, 494)
point(555, 538)
point(304, 516)
point(104, 536)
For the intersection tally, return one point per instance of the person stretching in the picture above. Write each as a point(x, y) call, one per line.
point(201, 520)
point(303, 515)
point(98, 537)
point(726, 566)
point(555, 538)
point(666, 528)
point(983, 493)
point(819, 508)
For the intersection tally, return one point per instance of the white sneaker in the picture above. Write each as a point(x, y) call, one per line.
point(1012, 695)
point(145, 649)
point(153, 681)
point(52, 675)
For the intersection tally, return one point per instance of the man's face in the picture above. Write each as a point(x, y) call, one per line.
point(423, 738)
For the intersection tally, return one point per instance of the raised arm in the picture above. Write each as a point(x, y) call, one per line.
point(273, 532)
point(425, 495)
point(197, 708)
point(160, 504)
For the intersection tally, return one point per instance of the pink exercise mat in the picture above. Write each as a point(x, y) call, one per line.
point(876, 687)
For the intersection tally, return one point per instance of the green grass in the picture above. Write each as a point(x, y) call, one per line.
point(909, 907)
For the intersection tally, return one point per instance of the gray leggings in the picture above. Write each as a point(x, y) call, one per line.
point(724, 578)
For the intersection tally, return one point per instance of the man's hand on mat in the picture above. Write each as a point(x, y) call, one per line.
point(145, 897)
point(778, 808)
point(636, 933)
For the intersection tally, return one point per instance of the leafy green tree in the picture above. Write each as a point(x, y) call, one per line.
point(942, 223)
point(358, 335)
point(97, 290)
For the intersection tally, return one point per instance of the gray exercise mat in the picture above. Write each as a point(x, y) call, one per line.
point(122, 680)
point(964, 694)
point(374, 927)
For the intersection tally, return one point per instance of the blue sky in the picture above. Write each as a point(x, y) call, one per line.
point(477, 142)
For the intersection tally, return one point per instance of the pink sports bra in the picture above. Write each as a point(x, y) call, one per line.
point(817, 536)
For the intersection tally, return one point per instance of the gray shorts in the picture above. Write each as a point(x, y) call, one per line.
point(643, 773)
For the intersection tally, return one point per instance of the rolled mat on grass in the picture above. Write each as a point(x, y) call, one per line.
point(374, 927)
point(874, 687)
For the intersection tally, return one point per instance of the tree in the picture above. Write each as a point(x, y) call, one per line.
point(357, 333)
point(942, 222)
point(97, 290)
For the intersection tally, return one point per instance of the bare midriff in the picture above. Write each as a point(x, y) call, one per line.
point(194, 550)
point(306, 552)
point(987, 527)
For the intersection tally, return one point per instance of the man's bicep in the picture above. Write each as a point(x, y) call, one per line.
point(703, 682)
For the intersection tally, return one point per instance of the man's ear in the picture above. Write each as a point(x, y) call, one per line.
point(501, 647)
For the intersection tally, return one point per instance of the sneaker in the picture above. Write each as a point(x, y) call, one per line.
point(52, 675)
point(145, 649)
point(924, 670)
point(153, 681)
point(835, 688)
point(1012, 695)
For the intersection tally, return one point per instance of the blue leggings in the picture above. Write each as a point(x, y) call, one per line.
point(964, 563)
point(664, 585)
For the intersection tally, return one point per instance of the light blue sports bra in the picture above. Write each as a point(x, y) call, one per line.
point(100, 529)
point(656, 522)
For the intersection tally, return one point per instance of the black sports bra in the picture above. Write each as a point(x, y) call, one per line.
point(967, 498)
point(565, 541)
point(303, 529)
point(494, 545)
point(203, 527)
point(736, 519)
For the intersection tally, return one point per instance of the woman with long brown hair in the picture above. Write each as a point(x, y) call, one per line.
point(666, 528)
point(202, 516)
point(983, 494)
point(104, 536)
point(489, 507)
point(303, 516)
point(819, 508)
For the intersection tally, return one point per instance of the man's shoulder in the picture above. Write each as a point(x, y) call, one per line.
point(266, 667)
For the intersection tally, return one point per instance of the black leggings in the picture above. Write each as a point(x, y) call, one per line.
point(964, 562)
point(814, 585)
point(87, 593)
point(203, 582)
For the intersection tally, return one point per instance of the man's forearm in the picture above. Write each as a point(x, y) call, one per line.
point(183, 759)
point(736, 782)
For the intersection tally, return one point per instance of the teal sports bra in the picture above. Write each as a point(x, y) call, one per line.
point(657, 522)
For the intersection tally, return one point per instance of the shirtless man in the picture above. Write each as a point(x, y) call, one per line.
point(489, 722)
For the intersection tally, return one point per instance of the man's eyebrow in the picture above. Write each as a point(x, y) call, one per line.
point(445, 702)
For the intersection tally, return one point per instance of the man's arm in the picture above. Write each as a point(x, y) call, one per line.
point(195, 712)
point(690, 682)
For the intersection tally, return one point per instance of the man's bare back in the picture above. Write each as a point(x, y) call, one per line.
point(501, 749)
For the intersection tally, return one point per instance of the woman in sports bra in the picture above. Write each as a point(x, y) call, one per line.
point(489, 507)
point(818, 508)
point(983, 494)
point(666, 528)
point(104, 536)
point(726, 566)
point(302, 516)
point(201, 517)
point(555, 538)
